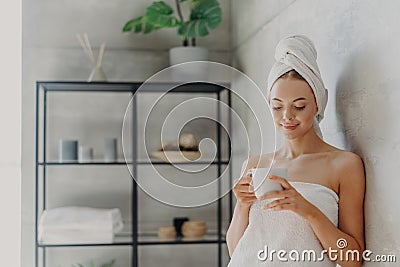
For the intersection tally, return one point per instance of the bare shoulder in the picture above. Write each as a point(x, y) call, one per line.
point(346, 160)
point(350, 169)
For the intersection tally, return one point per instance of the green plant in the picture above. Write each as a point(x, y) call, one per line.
point(91, 264)
point(205, 15)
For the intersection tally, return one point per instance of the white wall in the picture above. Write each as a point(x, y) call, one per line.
point(357, 43)
point(10, 143)
point(51, 52)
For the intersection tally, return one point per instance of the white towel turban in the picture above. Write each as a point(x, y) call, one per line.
point(298, 53)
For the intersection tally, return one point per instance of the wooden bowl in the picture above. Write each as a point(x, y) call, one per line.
point(176, 156)
point(167, 232)
point(194, 229)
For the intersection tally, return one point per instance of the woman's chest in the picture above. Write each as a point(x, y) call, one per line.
point(317, 170)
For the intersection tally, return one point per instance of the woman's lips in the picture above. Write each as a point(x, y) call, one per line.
point(290, 127)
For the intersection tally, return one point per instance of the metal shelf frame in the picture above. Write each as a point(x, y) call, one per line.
point(41, 165)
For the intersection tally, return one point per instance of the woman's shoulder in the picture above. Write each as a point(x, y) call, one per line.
point(349, 167)
point(344, 158)
point(263, 160)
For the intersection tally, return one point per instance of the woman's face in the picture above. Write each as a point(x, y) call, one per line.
point(293, 106)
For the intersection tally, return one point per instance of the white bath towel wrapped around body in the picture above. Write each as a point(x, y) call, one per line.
point(79, 225)
point(285, 230)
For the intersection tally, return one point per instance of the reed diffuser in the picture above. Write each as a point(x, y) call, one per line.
point(97, 74)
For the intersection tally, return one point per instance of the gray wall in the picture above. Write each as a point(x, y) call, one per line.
point(357, 44)
point(52, 52)
point(10, 115)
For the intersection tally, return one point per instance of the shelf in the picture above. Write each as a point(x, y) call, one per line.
point(153, 87)
point(137, 161)
point(183, 163)
point(225, 162)
point(75, 162)
point(152, 239)
point(146, 239)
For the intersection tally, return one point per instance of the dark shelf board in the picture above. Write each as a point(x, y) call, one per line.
point(75, 162)
point(179, 163)
point(153, 87)
point(152, 239)
point(146, 240)
point(58, 163)
point(85, 245)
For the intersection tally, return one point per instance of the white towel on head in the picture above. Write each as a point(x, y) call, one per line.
point(298, 53)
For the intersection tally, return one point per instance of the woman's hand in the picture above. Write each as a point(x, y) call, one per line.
point(290, 199)
point(244, 191)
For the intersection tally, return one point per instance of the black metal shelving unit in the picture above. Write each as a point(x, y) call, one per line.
point(43, 88)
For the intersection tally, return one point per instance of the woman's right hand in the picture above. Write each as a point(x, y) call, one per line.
point(244, 191)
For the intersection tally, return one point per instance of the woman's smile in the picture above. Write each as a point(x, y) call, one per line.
point(289, 127)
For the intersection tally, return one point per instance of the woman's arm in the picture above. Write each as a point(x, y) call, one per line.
point(238, 225)
point(245, 197)
point(351, 214)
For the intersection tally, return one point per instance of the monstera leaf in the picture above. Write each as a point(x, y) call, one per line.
point(205, 16)
point(138, 25)
point(158, 16)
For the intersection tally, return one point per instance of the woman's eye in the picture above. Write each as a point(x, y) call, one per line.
point(297, 108)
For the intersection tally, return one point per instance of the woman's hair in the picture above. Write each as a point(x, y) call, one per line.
point(292, 74)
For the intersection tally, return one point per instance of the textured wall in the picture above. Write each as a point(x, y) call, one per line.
point(357, 44)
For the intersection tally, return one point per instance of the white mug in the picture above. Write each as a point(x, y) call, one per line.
point(262, 184)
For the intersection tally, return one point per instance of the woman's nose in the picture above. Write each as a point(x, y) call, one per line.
point(287, 114)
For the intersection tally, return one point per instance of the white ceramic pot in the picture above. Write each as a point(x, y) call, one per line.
point(182, 54)
point(190, 71)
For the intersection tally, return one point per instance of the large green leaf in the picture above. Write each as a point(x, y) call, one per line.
point(160, 15)
point(204, 17)
point(140, 24)
point(134, 25)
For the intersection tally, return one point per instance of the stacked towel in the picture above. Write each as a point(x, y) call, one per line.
point(79, 225)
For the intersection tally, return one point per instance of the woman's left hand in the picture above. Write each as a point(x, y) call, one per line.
point(290, 199)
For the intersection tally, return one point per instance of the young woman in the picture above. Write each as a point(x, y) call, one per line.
point(321, 206)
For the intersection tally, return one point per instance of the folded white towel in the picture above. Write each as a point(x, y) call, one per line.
point(79, 225)
point(57, 237)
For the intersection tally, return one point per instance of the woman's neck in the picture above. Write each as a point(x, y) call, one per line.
point(306, 144)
